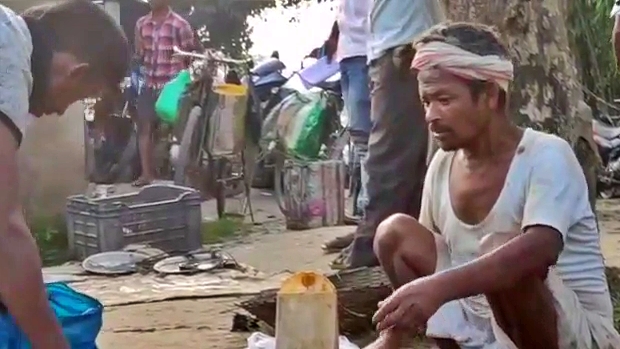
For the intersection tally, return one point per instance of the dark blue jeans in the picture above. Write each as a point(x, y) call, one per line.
point(355, 84)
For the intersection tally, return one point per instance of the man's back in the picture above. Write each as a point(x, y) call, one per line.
point(398, 22)
point(15, 75)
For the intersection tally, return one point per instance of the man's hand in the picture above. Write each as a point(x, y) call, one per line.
point(331, 44)
point(409, 307)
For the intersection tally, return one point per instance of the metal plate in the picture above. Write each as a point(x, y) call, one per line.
point(113, 263)
point(199, 262)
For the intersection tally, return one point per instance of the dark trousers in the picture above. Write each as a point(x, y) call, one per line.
point(397, 149)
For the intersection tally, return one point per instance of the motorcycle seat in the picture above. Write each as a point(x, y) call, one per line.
point(605, 131)
point(268, 67)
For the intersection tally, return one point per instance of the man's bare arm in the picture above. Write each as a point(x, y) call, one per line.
point(531, 253)
point(21, 282)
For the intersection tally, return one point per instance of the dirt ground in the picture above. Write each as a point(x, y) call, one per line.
point(206, 323)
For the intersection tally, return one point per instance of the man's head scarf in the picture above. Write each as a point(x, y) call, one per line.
point(462, 63)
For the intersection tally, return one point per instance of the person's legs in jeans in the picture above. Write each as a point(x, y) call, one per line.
point(359, 112)
point(397, 151)
point(356, 94)
point(145, 120)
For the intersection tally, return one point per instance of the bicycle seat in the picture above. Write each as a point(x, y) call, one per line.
point(604, 130)
point(267, 67)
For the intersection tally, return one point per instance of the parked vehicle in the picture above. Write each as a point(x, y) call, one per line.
point(607, 138)
point(268, 82)
point(218, 136)
point(110, 138)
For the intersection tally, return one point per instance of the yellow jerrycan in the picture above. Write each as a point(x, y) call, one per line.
point(307, 313)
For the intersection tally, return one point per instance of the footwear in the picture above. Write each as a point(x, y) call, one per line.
point(357, 255)
point(351, 220)
point(337, 244)
point(141, 182)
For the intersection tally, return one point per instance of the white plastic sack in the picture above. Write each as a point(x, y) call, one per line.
point(262, 341)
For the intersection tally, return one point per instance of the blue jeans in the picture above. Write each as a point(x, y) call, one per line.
point(355, 83)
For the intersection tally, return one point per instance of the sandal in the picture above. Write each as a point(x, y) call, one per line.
point(337, 244)
point(141, 182)
point(341, 262)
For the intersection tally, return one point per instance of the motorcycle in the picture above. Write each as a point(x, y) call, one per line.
point(269, 88)
point(607, 138)
point(111, 141)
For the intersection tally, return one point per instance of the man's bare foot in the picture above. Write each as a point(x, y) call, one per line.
point(386, 340)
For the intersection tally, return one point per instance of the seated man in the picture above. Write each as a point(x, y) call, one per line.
point(506, 252)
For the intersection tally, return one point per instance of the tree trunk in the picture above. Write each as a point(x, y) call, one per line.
point(546, 93)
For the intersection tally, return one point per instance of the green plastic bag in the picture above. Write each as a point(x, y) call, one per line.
point(167, 105)
point(298, 124)
point(308, 143)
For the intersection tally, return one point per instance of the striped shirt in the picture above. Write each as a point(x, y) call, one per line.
point(156, 40)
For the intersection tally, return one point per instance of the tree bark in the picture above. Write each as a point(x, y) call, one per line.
point(546, 93)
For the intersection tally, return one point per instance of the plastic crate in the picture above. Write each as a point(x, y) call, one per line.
point(163, 216)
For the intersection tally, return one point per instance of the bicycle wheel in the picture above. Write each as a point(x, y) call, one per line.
point(189, 149)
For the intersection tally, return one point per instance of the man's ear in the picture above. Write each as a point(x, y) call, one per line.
point(492, 93)
point(79, 71)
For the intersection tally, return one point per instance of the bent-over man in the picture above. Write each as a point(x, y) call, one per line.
point(49, 59)
point(506, 252)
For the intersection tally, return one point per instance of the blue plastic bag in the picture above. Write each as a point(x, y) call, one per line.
point(80, 316)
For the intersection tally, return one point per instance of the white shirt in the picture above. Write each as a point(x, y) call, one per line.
point(545, 185)
point(15, 69)
point(397, 22)
point(353, 24)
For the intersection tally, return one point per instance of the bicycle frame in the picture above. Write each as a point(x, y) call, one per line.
point(219, 168)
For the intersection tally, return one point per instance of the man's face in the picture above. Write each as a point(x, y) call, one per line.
point(454, 117)
point(158, 4)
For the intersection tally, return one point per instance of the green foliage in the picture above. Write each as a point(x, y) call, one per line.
point(227, 228)
point(50, 232)
point(223, 23)
point(589, 30)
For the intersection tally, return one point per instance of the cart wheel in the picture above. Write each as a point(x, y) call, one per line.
point(188, 149)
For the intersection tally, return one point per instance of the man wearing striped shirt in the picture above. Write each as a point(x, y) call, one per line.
point(156, 35)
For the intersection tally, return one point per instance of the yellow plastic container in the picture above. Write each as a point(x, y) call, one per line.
point(231, 89)
point(227, 123)
point(307, 313)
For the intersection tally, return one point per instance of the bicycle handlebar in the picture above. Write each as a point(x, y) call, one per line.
point(209, 56)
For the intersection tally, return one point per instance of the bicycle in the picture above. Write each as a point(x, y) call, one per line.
point(198, 162)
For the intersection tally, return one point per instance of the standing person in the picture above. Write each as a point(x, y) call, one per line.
point(506, 253)
point(398, 143)
point(347, 43)
point(50, 57)
point(156, 35)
